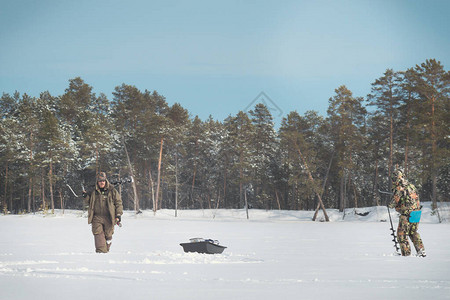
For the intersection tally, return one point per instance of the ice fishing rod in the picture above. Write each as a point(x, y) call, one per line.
point(386, 193)
point(115, 183)
point(72, 191)
point(122, 181)
point(118, 182)
point(396, 244)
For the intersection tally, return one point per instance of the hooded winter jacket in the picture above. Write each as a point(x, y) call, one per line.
point(406, 198)
point(112, 199)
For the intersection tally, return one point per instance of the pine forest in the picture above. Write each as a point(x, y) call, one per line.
point(53, 146)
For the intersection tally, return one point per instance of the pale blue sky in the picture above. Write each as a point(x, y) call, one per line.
point(215, 57)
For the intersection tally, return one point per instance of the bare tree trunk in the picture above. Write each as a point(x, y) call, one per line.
point(342, 192)
point(391, 140)
point(11, 201)
point(246, 204)
point(408, 125)
point(11, 208)
point(30, 187)
point(375, 185)
point(96, 159)
point(159, 173)
point(152, 192)
point(278, 200)
point(176, 183)
point(209, 201)
point(133, 183)
point(61, 199)
point(50, 179)
point(433, 155)
point(348, 188)
point(33, 196)
point(195, 173)
point(5, 207)
point(193, 183)
point(44, 205)
point(120, 186)
point(241, 175)
point(31, 174)
point(434, 187)
point(217, 203)
point(225, 184)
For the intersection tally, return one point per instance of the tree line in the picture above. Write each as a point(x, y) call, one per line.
point(340, 160)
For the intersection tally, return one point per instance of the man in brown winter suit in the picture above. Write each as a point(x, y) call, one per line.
point(104, 211)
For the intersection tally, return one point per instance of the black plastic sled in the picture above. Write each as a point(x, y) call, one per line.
point(200, 245)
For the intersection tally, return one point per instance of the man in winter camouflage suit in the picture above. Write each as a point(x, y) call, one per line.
point(406, 200)
point(104, 211)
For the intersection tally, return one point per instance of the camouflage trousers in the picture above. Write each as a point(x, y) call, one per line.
point(405, 230)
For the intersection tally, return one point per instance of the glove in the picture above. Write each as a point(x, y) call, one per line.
point(118, 219)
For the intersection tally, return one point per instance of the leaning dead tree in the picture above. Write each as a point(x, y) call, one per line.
point(323, 189)
point(313, 183)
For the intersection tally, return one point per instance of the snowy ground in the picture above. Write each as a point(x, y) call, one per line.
point(274, 255)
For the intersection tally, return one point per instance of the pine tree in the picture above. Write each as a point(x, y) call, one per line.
point(432, 83)
point(346, 115)
point(177, 128)
point(239, 133)
point(263, 145)
point(312, 162)
point(10, 140)
point(194, 155)
point(49, 147)
point(409, 98)
point(376, 141)
point(291, 137)
point(385, 98)
point(296, 134)
point(29, 120)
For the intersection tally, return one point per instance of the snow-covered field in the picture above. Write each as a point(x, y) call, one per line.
point(274, 255)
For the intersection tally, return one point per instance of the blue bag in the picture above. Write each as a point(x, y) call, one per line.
point(414, 216)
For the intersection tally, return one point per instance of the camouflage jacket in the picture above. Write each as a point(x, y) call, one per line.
point(406, 198)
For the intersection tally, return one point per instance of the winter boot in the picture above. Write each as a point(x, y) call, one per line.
point(421, 253)
point(108, 244)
